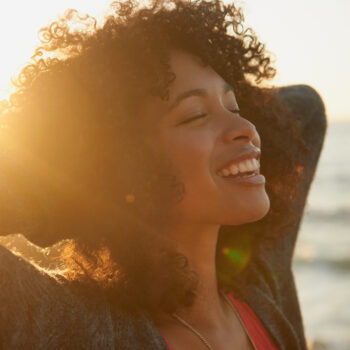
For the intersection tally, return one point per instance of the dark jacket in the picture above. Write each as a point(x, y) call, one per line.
point(41, 311)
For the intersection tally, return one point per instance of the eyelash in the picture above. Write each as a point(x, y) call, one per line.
point(198, 116)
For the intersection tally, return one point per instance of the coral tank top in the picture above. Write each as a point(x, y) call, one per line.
point(257, 332)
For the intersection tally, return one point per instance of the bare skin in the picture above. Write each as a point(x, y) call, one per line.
point(199, 133)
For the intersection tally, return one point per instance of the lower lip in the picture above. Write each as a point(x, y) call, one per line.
point(252, 180)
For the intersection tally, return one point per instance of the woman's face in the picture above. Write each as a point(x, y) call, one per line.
point(202, 133)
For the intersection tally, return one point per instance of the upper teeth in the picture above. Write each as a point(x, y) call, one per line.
point(241, 167)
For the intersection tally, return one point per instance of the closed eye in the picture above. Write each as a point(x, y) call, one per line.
point(202, 115)
point(189, 120)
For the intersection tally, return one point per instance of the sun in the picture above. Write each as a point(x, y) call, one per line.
point(20, 21)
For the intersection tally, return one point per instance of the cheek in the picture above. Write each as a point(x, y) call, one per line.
point(191, 157)
point(190, 154)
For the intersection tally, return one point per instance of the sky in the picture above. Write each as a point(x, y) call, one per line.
point(309, 40)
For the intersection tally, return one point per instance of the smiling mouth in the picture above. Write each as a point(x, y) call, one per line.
point(248, 178)
point(244, 169)
point(243, 175)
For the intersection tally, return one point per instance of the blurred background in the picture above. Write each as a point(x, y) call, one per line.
point(310, 44)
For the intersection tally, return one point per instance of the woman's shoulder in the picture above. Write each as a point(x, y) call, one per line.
point(26, 296)
point(18, 276)
point(39, 309)
point(19, 280)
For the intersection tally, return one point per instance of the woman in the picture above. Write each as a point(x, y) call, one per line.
point(141, 142)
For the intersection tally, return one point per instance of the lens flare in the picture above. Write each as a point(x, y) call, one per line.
point(130, 198)
point(239, 257)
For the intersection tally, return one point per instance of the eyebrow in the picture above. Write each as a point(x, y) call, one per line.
point(196, 92)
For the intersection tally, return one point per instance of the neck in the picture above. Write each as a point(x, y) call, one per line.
point(198, 244)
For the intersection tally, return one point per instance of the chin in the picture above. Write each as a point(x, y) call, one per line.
point(259, 210)
point(254, 212)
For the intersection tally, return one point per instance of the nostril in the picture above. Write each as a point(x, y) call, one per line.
point(240, 137)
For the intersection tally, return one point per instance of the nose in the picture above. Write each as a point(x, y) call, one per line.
point(240, 128)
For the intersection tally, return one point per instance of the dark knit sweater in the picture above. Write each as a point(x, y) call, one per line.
point(42, 311)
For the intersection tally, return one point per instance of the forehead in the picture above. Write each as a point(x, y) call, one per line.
point(191, 73)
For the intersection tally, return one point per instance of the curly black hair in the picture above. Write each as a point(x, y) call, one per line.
point(76, 173)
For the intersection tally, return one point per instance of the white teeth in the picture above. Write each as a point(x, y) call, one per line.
point(242, 167)
point(250, 164)
point(234, 169)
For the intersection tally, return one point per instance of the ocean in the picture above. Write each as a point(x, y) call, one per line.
point(322, 257)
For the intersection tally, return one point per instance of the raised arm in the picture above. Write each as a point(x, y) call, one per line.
point(272, 270)
point(308, 109)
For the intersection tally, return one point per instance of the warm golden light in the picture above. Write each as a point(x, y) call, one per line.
point(308, 39)
point(20, 21)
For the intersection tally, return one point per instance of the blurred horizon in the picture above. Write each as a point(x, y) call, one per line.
point(307, 40)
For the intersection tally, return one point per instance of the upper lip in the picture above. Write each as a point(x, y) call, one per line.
point(248, 153)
